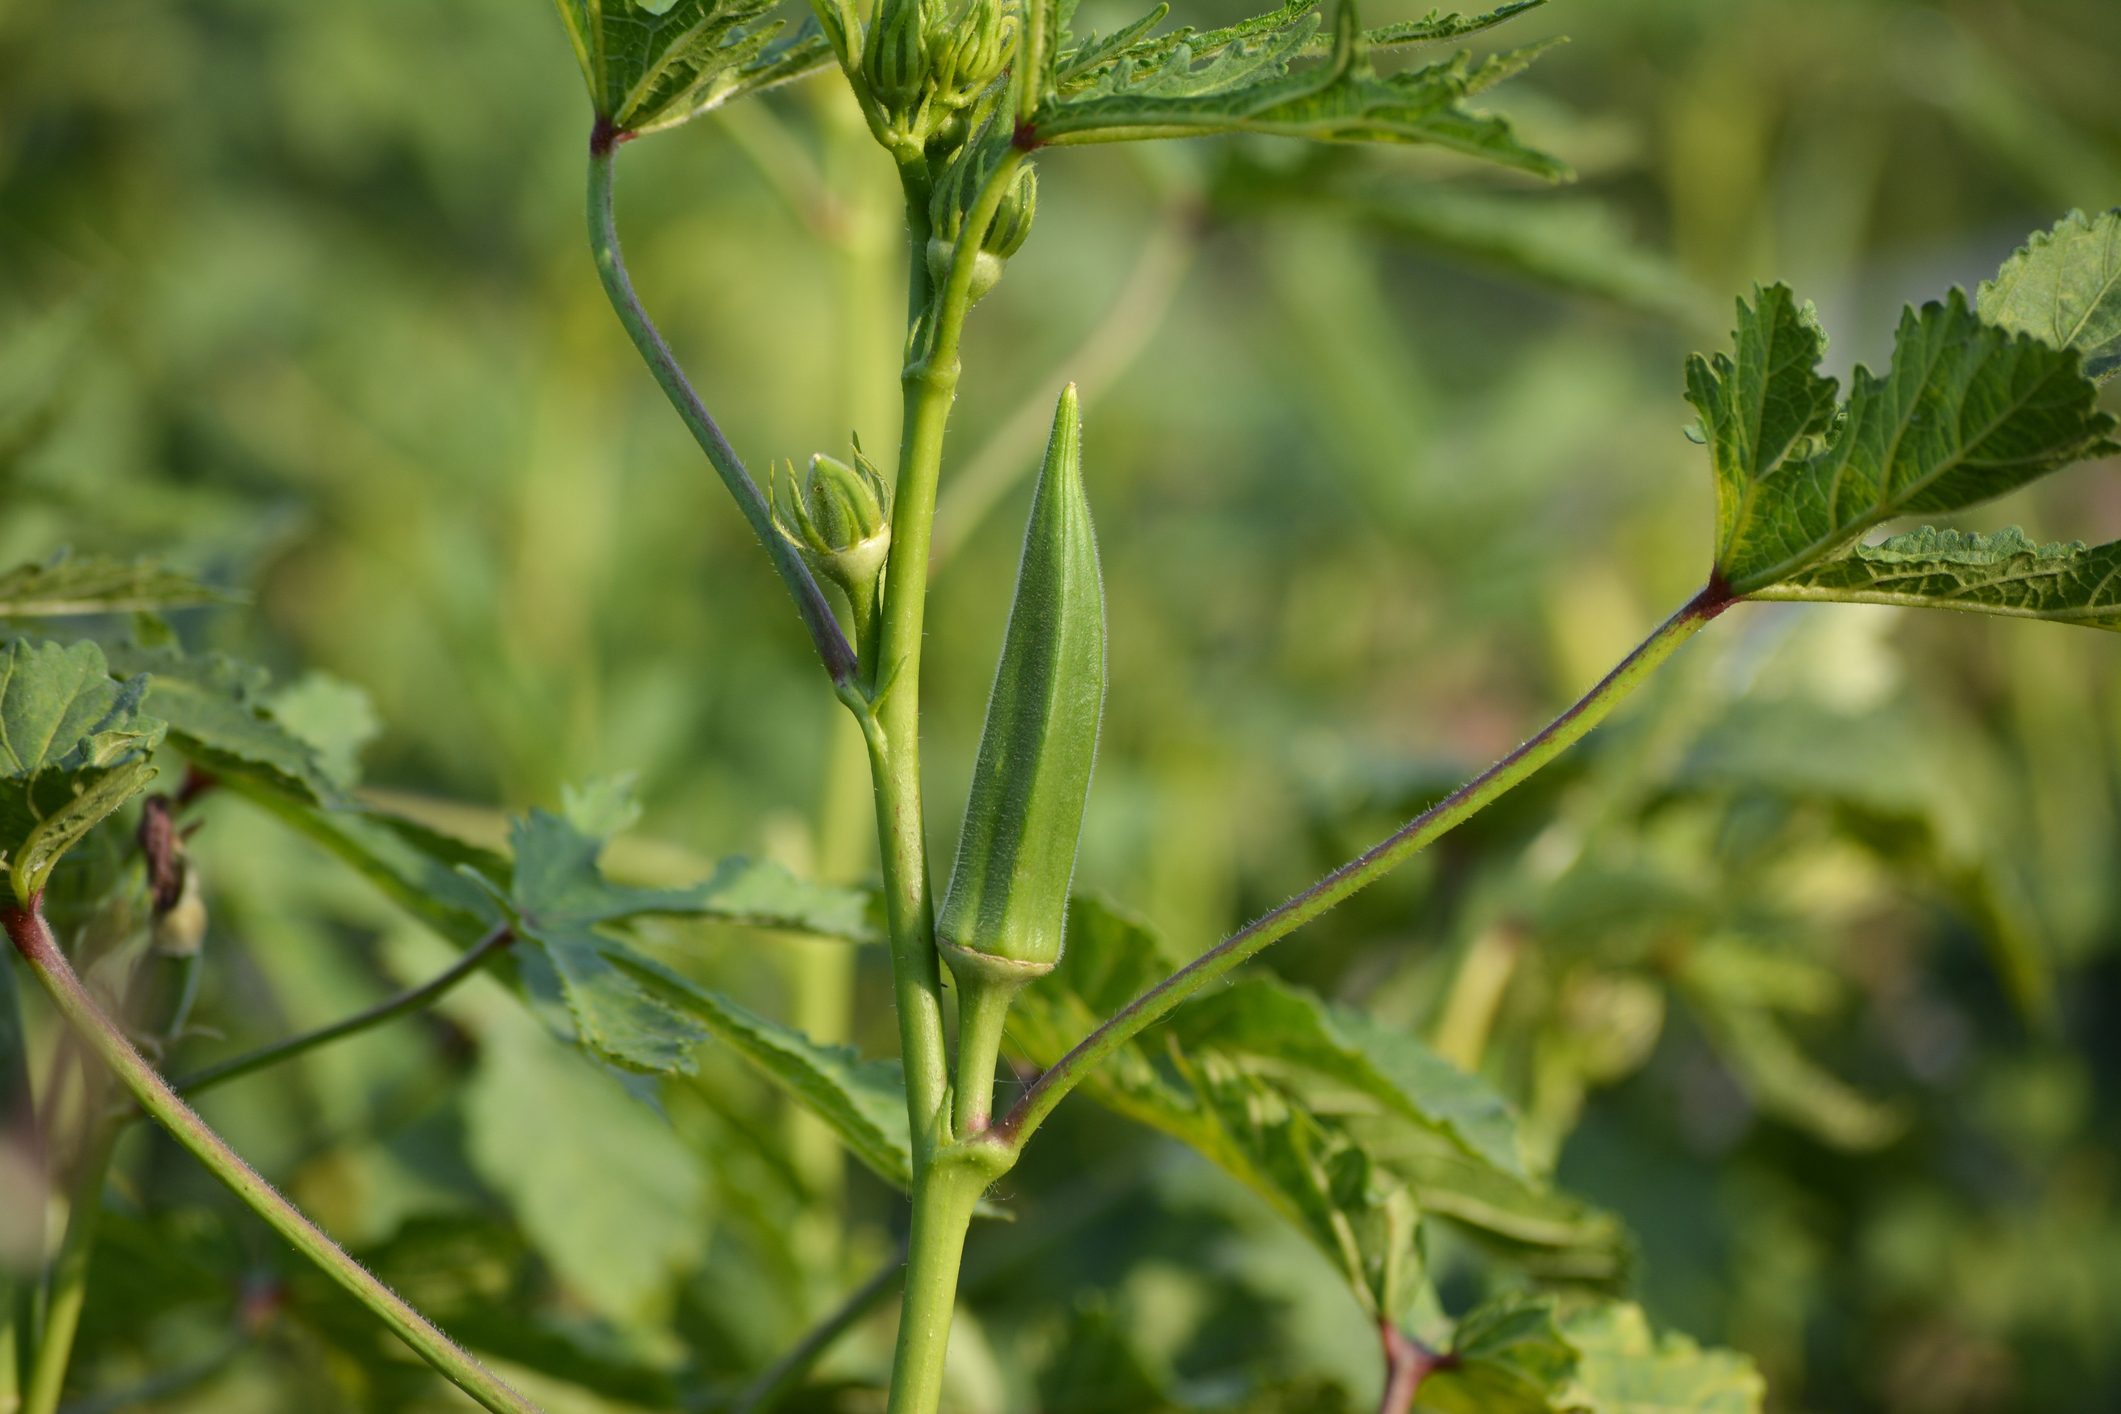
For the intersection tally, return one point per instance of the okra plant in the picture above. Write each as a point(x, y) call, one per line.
point(116, 742)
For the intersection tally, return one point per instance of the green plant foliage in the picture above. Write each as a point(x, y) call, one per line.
point(1349, 1130)
point(1241, 80)
point(69, 584)
point(1528, 1356)
point(1965, 413)
point(74, 746)
point(653, 64)
point(218, 716)
point(2064, 289)
point(2003, 573)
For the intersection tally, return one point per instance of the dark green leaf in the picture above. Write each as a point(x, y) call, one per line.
point(2064, 288)
point(216, 712)
point(863, 1100)
point(74, 745)
point(97, 584)
point(654, 65)
point(1966, 412)
point(1241, 80)
point(2003, 573)
point(1348, 1129)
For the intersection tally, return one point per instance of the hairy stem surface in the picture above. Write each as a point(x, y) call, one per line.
point(33, 939)
point(1417, 834)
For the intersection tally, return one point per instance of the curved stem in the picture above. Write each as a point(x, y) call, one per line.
point(1439, 819)
point(782, 1376)
point(832, 646)
point(411, 999)
point(33, 939)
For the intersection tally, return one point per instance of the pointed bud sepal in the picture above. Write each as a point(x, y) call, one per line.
point(839, 518)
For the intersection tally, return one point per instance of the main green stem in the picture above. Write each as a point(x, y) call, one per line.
point(33, 939)
point(941, 1211)
point(1417, 834)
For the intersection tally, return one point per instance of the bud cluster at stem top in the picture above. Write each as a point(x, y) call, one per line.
point(926, 61)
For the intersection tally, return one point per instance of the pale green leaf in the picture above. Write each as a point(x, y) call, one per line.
point(216, 712)
point(1242, 81)
point(2064, 289)
point(1526, 1355)
point(651, 66)
point(74, 745)
point(614, 1200)
point(2004, 573)
point(1966, 412)
point(1624, 1367)
point(333, 717)
point(98, 584)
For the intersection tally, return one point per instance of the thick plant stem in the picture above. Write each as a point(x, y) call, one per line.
point(937, 320)
point(69, 1278)
point(943, 1202)
point(33, 939)
point(982, 1016)
point(944, 1192)
point(1417, 834)
point(832, 646)
point(412, 999)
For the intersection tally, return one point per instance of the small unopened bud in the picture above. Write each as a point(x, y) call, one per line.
point(895, 60)
point(839, 518)
point(967, 50)
point(1005, 235)
point(951, 204)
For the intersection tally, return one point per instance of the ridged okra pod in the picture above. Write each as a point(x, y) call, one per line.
point(1006, 907)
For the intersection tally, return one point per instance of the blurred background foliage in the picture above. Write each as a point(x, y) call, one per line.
point(1809, 967)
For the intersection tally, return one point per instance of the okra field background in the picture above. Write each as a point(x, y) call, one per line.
point(1806, 969)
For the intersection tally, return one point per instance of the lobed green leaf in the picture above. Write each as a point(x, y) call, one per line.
point(74, 746)
point(2003, 573)
point(654, 65)
point(1965, 412)
point(97, 584)
point(1241, 80)
point(1527, 1355)
point(2064, 288)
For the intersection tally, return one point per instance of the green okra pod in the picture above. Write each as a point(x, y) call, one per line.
point(1004, 911)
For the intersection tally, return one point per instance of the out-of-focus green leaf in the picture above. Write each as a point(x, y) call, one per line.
point(333, 717)
point(653, 65)
point(217, 716)
point(74, 745)
point(97, 584)
point(1624, 1367)
point(616, 1233)
point(1243, 83)
point(1521, 1355)
point(1305, 1043)
point(1349, 1130)
point(864, 1101)
point(1966, 412)
point(2003, 573)
point(2064, 289)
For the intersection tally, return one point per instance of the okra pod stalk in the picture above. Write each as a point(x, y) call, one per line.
point(1004, 913)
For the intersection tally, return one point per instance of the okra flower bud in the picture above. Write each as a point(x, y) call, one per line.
point(839, 518)
point(895, 58)
point(967, 51)
point(952, 203)
point(1003, 915)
